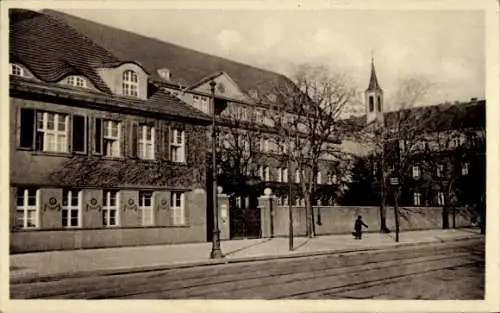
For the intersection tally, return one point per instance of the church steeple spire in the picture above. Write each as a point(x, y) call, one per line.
point(374, 97)
point(373, 84)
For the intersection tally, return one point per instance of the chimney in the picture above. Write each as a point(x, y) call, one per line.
point(164, 73)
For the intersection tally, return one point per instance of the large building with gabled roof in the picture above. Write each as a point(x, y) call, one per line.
point(109, 133)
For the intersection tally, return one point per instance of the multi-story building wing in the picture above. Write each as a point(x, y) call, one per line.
point(99, 156)
point(242, 94)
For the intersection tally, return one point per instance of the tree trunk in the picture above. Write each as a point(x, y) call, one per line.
point(309, 217)
point(446, 214)
point(383, 214)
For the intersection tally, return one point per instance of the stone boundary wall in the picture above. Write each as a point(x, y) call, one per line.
point(340, 219)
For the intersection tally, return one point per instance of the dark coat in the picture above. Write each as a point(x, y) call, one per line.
point(358, 224)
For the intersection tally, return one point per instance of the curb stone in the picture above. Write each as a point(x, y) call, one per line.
point(32, 278)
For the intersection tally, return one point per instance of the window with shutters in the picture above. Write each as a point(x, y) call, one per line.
point(79, 134)
point(71, 208)
point(109, 136)
point(177, 203)
point(146, 207)
point(51, 132)
point(177, 145)
point(110, 212)
point(146, 142)
point(27, 207)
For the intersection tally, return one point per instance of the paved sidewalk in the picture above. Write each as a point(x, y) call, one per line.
point(54, 264)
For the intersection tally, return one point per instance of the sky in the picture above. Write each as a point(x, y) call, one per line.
point(446, 48)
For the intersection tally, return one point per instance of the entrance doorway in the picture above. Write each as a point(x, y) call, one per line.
point(244, 217)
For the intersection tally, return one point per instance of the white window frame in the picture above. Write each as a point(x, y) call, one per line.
point(417, 197)
point(177, 206)
point(60, 137)
point(178, 149)
point(76, 81)
point(465, 168)
point(111, 143)
point(416, 171)
point(145, 146)
point(25, 208)
point(261, 172)
point(440, 170)
point(16, 70)
point(130, 83)
point(147, 216)
point(107, 208)
point(69, 207)
point(440, 198)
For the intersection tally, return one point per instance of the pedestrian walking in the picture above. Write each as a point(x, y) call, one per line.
point(358, 224)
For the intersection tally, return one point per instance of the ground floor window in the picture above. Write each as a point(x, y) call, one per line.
point(27, 207)
point(146, 207)
point(110, 213)
point(440, 198)
point(71, 208)
point(417, 198)
point(177, 205)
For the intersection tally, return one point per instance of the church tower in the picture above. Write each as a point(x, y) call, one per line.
point(374, 99)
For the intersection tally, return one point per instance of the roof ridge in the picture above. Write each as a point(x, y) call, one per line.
point(55, 12)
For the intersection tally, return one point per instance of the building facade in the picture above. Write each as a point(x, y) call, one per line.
point(99, 155)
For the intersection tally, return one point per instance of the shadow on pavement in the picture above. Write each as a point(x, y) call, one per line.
point(247, 247)
point(302, 244)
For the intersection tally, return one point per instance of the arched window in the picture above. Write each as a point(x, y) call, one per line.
point(379, 104)
point(16, 70)
point(370, 102)
point(130, 83)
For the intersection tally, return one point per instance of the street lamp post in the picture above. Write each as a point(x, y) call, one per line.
point(216, 252)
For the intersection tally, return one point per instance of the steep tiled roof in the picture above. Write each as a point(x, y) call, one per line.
point(52, 50)
point(158, 103)
point(445, 116)
point(186, 66)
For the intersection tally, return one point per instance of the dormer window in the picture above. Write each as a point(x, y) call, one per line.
point(130, 83)
point(76, 81)
point(16, 70)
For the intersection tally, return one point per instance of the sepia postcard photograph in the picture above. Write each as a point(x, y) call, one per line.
point(210, 152)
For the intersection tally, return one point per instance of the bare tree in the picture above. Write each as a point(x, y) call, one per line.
point(238, 147)
point(396, 139)
point(306, 115)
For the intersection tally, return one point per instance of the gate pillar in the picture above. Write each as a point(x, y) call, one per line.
point(267, 207)
point(223, 202)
